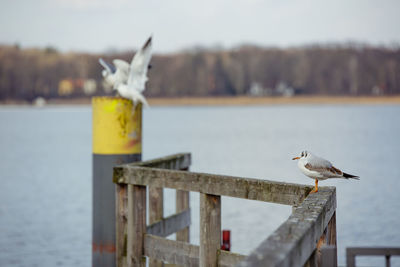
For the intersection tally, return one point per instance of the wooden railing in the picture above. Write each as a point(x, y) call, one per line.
point(387, 252)
point(296, 242)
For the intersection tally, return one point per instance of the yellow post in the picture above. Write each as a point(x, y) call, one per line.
point(116, 128)
point(117, 139)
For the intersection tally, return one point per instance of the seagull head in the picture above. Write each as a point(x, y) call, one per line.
point(303, 154)
point(104, 73)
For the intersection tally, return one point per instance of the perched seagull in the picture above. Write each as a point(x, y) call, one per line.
point(115, 74)
point(135, 84)
point(319, 169)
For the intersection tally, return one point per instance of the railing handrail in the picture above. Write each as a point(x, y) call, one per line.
point(352, 252)
point(222, 185)
point(310, 225)
point(176, 161)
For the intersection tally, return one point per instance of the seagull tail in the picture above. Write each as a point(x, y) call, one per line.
point(141, 99)
point(347, 176)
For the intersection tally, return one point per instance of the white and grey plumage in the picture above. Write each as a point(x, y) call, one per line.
point(115, 74)
point(319, 169)
point(137, 78)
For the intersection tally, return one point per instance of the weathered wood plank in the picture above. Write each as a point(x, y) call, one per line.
point(327, 238)
point(228, 259)
point(296, 239)
point(328, 256)
point(170, 225)
point(155, 204)
point(210, 229)
point(352, 252)
point(332, 230)
point(373, 251)
point(182, 253)
point(174, 162)
point(175, 252)
point(331, 241)
point(156, 213)
point(121, 223)
point(183, 203)
point(136, 225)
point(263, 190)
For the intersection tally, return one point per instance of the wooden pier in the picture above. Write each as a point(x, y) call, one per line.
point(297, 242)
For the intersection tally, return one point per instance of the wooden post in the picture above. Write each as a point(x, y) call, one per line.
point(136, 225)
point(155, 213)
point(116, 136)
point(332, 231)
point(328, 256)
point(350, 258)
point(210, 229)
point(183, 203)
point(387, 260)
point(121, 224)
point(352, 252)
point(327, 238)
point(332, 236)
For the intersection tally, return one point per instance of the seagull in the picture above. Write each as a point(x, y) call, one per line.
point(319, 169)
point(115, 74)
point(137, 78)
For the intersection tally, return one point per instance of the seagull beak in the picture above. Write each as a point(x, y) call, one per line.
point(295, 158)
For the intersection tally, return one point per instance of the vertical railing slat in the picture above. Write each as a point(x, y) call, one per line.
point(155, 213)
point(183, 203)
point(210, 229)
point(121, 223)
point(136, 225)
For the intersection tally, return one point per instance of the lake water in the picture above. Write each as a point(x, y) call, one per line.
point(45, 178)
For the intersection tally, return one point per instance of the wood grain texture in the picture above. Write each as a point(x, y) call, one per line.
point(227, 259)
point(170, 225)
point(296, 239)
point(175, 252)
point(247, 188)
point(210, 229)
point(136, 225)
point(156, 213)
point(121, 224)
point(173, 162)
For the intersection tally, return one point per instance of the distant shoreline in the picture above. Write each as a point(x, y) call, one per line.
point(238, 101)
point(249, 101)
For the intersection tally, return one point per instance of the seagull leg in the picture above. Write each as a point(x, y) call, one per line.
point(315, 190)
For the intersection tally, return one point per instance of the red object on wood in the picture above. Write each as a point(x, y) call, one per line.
point(226, 240)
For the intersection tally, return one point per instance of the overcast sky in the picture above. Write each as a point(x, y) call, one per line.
point(100, 25)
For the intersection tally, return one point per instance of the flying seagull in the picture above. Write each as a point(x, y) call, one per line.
point(319, 169)
point(137, 78)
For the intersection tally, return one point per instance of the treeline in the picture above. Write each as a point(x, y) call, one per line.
point(323, 70)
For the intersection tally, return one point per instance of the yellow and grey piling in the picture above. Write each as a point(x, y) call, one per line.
point(117, 139)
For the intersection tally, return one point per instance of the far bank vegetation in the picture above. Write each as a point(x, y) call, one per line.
point(248, 70)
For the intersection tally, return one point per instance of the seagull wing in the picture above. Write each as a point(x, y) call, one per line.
point(121, 64)
point(324, 167)
point(139, 65)
point(122, 72)
point(109, 67)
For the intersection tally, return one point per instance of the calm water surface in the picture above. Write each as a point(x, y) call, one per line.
point(45, 178)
